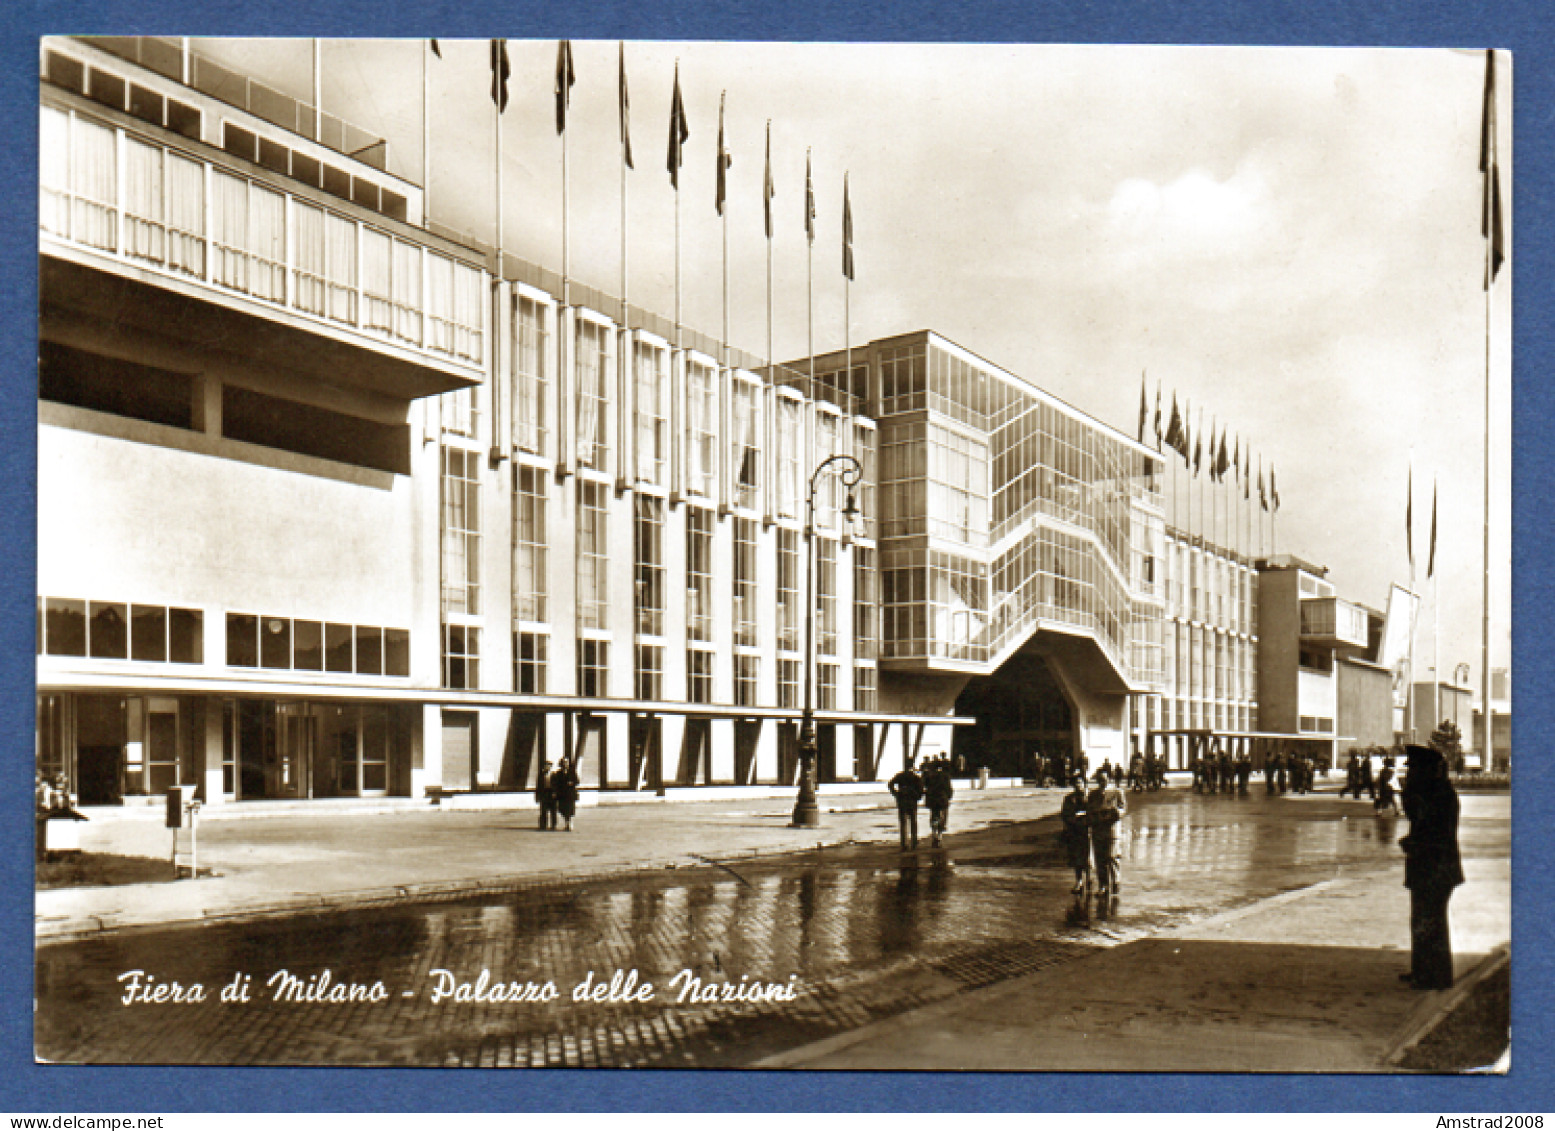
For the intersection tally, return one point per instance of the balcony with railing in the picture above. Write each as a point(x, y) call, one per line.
point(1333, 623)
point(285, 273)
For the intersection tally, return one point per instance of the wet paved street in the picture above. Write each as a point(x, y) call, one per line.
point(854, 934)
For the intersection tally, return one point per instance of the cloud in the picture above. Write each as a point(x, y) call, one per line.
point(1195, 211)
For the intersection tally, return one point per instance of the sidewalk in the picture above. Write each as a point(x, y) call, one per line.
point(1303, 982)
point(300, 859)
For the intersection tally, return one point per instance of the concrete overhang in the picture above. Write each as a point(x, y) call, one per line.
point(208, 319)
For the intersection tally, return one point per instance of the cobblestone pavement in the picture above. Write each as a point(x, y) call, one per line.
point(858, 933)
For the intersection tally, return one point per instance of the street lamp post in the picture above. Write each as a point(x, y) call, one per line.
point(807, 814)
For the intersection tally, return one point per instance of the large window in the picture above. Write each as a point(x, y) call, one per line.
point(745, 611)
point(652, 376)
point(593, 667)
point(699, 675)
point(391, 285)
point(593, 549)
point(530, 386)
point(461, 657)
point(788, 589)
point(530, 544)
point(701, 428)
point(788, 683)
point(826, 594)
point(593, 417)
point(117, 630)
point(648, 538)
point(745, 445)
point(699, 573)
point(790, 445)
point(747, 671)
point(461, 531)
point(255, 641)
point(530, 652)
point(866, 696)
point(866, 608)
point(650, 671)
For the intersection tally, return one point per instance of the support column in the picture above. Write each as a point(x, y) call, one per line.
point(214, 794)
point(430, 772)
point(672, 743)
point(721, 751)
point(767, 752)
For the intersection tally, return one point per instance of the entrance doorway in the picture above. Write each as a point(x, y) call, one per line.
point(276, 743)
point(1022, 715)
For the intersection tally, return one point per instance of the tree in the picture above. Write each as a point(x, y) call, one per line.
point(1447, 740)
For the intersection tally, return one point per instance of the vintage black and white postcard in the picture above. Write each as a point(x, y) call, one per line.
point(625, 553)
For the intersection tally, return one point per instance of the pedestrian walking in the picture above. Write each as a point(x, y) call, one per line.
point(1075, 834)
point(1104, 808)
point(564, 791)
point(545, 797)
point(1367, 781)
point(1352, 776)
point(1385, 797)
point(907, 788)
point(1244, 773)
point(1432, 866)
point(937, 792)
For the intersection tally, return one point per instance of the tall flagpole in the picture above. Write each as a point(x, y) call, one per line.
point(318, 92)
point(1491, 229)
point(766, 191)
point(563, 95)
point(426, 136)
point(677, 251)
point(723, 211)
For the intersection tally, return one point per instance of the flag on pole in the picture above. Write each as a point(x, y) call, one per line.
point(1274, 492)
point(809, 200)
point(1263, 497)
point(767, 189)
point(1222, 462)
point(500, 73)
point(847, 231)
point(1198, 450)
point(1144, 407)
point(679, 132)
point(565, 77)
point(1247, 474)
point(1489, 164)
point(1236, 459)
point(1409, 522)
point(1430, 563)
point(1158, 415)
point(436, 50)
point(1174, 436)
point(724, 158)
point(626, 112)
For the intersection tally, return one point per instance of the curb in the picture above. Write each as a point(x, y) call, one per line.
point(1441, 1004)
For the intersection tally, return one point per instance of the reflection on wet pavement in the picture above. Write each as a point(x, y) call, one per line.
point(854, 934)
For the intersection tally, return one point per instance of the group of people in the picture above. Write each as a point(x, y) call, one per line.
point(1089, 831)
point(556, 791)
point(932, 786)
point(1145, 771)
point(1358, 778)
point(1221, 772)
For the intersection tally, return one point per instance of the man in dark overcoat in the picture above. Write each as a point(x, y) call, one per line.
point(1432, 865)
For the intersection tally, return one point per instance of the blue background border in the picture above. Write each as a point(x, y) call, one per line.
point(1523, 27)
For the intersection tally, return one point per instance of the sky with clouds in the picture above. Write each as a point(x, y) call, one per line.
point(1287, 238)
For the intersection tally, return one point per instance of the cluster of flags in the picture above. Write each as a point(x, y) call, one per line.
point(1221, 456)
point(679, 134)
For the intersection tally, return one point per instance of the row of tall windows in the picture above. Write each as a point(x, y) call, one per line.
point(108, 189)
